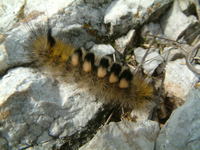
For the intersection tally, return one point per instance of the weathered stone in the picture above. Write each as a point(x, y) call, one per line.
point(175, 23)
point(171, 54)
point(178, 79)
point(102, 49)
point(182, 130)
point(125, 41)
point(190, 6)
point(48, 7)
point(3, 58)
point(35, 108)
point(151, 31)
point(123, 15)
point(152, 60)
point(125, 135)
point(9, 11)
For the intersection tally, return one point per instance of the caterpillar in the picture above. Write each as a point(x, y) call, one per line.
point(109, 79)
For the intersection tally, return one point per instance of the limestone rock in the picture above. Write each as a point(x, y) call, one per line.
point(178, 79)
point(188, 6)
point(175, 23)
point(3, 58)
point(152, 60)
point(9, 11)
point(171, 54)
point(151, 31)
point(48, 7)
point(125, 41)
point(35, 108)
point(103, 49)
point(122, 15)
point(125, 135)
point(182, 130)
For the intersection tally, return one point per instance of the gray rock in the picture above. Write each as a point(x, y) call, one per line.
point(175, 23)
point(48, 7)
point(13, 52)
point(123, 15)
point(125, 41)
point(184, 4)
point(152, 60)
point(9, 11)
point(178, 79)
point(13, 12)
point(125, 135)
point(182, 130)
point(151, 31)
point(172, 53)
point(188, 6)
point(102, 49)
point(82, 13)
point(3, 58)
point(34, 108)
point(152, 28)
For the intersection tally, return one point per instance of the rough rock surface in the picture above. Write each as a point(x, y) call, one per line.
point(125, 41)
point(122, 15)
point(182, 130)
point(178, 79)
point(12, 52)
point(8, 13)
point(152, 60)
point(175, 22)
point(125, 135)
point(12, 12)
point(172, 54)
point(34, 109)
point(103, 49)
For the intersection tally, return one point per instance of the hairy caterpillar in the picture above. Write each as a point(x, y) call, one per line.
point(110, 80)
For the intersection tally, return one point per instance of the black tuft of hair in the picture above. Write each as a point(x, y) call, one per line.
point(116, 69)
point(126, 74)
point(104, 62)
point(50, 38)
point(90, 57)
point(79, 53)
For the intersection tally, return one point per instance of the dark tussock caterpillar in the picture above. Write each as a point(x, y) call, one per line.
point(108, 80)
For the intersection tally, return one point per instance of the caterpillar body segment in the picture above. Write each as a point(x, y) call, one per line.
point(76, 57)
point(115, 72)
point(103, 67)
